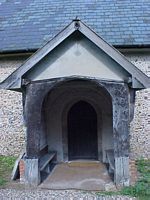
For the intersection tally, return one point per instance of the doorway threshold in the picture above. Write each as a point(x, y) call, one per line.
point(83, 163)
point(81, 175)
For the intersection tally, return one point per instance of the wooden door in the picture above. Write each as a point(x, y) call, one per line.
point(82, 132)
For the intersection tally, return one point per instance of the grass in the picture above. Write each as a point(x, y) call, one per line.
point(6, 166)
point(141, 190)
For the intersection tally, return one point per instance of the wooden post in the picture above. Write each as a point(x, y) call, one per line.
point(32, 173)
point(33, 121)
point(35, 94)
point(34, 129)
point(121, 176)
point(120, 101)
point(121, 134)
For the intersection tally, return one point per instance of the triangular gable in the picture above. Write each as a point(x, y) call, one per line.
point(77, 56)
point(139, 79)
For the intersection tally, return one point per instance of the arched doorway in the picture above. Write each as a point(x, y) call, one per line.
point(82, 132)
point(57, 108)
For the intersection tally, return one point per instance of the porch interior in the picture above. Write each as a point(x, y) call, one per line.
point(77, 122)
point(77, 137)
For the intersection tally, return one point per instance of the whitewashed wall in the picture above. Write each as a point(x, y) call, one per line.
point(11, 122)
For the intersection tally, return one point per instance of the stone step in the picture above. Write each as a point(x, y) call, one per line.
point(83, 163)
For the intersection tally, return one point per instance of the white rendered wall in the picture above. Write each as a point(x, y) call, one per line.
point(77, 58)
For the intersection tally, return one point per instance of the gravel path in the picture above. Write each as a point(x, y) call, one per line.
point(13, 194)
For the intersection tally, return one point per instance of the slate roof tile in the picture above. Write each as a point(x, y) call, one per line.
point(28, 24)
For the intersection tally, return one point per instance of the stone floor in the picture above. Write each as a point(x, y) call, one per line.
point(79, 175)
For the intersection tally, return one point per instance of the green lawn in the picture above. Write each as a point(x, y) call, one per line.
point(142, 187)
point(6, 166)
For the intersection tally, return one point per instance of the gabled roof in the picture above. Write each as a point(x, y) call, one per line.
point(14, 80)
point(28, 24)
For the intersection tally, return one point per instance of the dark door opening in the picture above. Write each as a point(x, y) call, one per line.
point(82, 132)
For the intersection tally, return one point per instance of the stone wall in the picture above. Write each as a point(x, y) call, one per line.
point(140, 126)
point(12, 134)
point(11, 120)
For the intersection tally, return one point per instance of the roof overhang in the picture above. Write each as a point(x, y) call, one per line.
point(138, 81)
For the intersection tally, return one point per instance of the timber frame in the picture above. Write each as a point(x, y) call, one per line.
point(122, 95)
point(35, 94)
